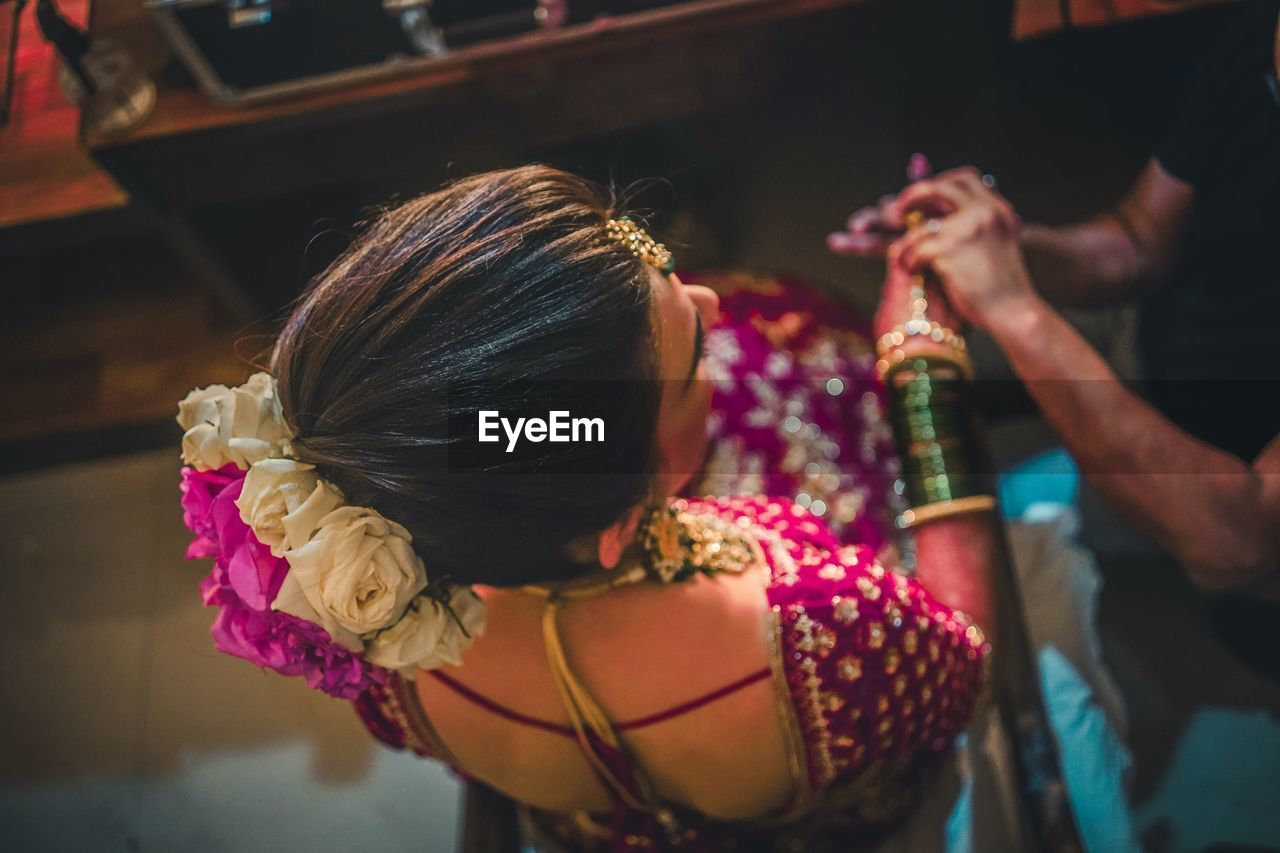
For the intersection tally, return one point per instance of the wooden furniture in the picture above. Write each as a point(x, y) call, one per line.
point(45, 173)
point(481, 106)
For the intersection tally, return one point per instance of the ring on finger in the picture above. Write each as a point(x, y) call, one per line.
point(989, 181)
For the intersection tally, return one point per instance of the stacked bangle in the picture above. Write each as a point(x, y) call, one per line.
point(935, 438)
point(896, 359)
point(891, 355)
point(930, 329)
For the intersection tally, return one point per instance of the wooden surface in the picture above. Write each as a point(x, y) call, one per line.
point(181, 109)
point(45, 173)
point(1040, 17)
point(110, 335)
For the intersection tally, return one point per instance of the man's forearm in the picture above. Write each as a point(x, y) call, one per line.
point(1118, 255)
point(1092, 264)
point(1203, 505)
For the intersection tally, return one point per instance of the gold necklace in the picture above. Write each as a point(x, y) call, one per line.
point(676, 546)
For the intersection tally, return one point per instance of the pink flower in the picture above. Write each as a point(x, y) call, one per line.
point(292, 646)
point(199, 491)
point(245, 580)
point(251, 569)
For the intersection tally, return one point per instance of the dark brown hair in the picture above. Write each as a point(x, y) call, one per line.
point(462, 299)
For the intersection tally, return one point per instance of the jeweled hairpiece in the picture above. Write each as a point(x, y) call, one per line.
point(640, 244)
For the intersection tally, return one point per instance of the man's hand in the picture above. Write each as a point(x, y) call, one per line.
point(970, 245)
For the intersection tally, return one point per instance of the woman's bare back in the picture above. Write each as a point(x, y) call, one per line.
point(639, 651)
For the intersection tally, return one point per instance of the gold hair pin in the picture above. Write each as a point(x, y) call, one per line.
point(640, 244)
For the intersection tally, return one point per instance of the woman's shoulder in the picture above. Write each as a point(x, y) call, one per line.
point(876, 668)
point(803, 558)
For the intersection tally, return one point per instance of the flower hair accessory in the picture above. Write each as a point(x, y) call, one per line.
point(306, 585)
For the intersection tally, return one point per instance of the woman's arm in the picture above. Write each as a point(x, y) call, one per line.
point(1218, 516)
point(956, 561)
point(955, 556)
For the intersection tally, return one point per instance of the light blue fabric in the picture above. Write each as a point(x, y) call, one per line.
point(1223, 784)
point(1094, 761)
point(1094, 766)
point(960, 821)
point(1051, 477)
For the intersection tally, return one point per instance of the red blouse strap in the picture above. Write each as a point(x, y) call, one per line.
point(566, 731)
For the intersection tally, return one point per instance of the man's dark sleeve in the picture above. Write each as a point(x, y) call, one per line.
point(1190, 144)
point(1214, 103)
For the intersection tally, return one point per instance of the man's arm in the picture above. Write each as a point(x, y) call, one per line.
point(1216, 515)
point(1117, 256)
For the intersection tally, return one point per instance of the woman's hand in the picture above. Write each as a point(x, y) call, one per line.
point(972, 249)
point(871, 230)
point(895, 304)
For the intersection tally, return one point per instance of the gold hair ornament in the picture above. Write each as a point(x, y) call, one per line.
point(637, 241)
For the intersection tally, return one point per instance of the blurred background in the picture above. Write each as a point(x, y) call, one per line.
point(174, 172)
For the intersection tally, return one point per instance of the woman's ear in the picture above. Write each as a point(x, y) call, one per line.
point(615, 539)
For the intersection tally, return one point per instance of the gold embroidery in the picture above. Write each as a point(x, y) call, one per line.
point(817, 720)
point(845, 610)
point(875, 635)
point(849, 668)
point(892, 659)
point(832, 572)
point(785, 570)
point(779, 332)
point(793, 735)
point(402, 704)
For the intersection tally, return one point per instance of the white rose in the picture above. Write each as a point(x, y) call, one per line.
point(302, 521)
point(357, 573)
point(428, 637)
point(240, 425)
point(273, 489)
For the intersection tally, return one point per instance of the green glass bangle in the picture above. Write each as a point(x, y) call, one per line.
point(933, 433)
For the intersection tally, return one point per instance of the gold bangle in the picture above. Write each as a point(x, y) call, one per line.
point(897, 359)
point(920, 328)
point(943, 509)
